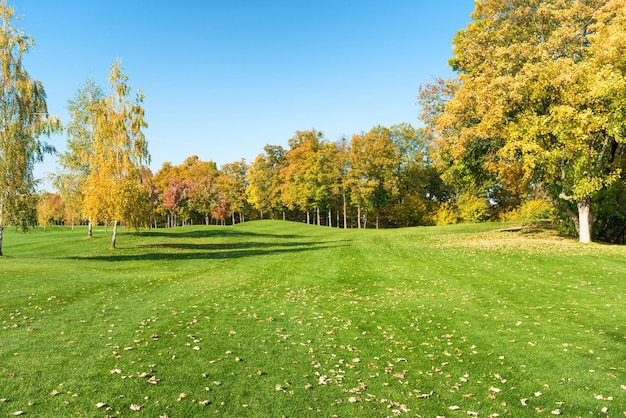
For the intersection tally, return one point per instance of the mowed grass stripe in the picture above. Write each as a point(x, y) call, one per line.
point(276, 318)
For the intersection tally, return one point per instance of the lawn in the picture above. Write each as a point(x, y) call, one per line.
point(273, 318)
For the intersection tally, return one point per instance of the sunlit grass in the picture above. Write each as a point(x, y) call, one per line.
point(272, 318)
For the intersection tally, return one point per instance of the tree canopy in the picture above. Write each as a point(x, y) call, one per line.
point(540, 98)
point(24, 120)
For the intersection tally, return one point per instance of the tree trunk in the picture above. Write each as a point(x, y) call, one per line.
point(377, 219)
point(1, 229)
point(358, 217)
point(585, 220)
point(114, 236)
point(317, 212)
point(345, 211)
point(90, 229)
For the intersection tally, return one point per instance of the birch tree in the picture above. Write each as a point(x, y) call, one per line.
point(119, 149)
point(23, 120)
point(76, 162)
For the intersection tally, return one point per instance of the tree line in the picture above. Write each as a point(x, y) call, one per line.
point(381, 178)
point(533, 127)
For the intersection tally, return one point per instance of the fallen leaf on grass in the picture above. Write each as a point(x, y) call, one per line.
point(556, 412)
point(18, 413)
point(135, 407)
point(455, 407)
point(100, 405)
point(54, 392)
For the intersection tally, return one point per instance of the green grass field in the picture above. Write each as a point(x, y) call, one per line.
point(284, 319)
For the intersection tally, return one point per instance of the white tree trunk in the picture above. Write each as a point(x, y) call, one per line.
point(114, 236)
point(584, 220)
point(345, 211)
point(1, 229)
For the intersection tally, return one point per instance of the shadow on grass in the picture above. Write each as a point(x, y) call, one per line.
point(208, 233)
point(208, 252)
point(197, 244)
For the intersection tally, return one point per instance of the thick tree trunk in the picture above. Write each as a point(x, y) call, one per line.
point(114, 236)
point(585, 220)
point(1, 229)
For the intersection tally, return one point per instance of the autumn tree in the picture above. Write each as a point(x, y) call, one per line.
point(263, 191)
point(50, 209)
point(374, 159)
point(119, 149)
point(23, 120)
point(303, 185)
point(176, 200)
point(419, 187)
point(542, 95)
point(205, 196)
point(232, 182)
point(76, 162)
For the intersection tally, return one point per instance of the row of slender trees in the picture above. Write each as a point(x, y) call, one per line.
point(383, 177)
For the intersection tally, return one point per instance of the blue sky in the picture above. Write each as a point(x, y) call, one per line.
point(224, 78)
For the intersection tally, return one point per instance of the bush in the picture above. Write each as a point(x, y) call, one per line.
point(473, 209)
point(446, 215)
point(531, 211)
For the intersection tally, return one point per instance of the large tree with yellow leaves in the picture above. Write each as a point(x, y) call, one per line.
point(115, 191)
point(543, 95)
